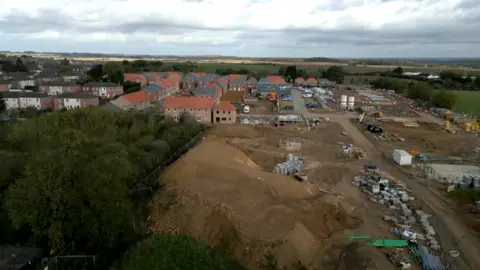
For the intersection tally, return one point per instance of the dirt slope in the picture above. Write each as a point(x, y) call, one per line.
point(217, 194)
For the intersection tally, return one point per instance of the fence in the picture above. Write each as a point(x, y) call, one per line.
point(64, 260)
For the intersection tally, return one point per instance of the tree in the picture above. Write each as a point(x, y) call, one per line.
point(398, 70)
point(3, 105)
point(176, 252)
point(65, 62)
point(291, 73)
point(20, 66)
point(96, 73)
point(449, 75)
point(335, 73)
point(444, 99)
point(419, 91)
point(114, 71)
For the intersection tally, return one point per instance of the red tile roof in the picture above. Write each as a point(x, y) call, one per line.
point(222, 79)
point(234, 76)
point(133, 77)
point(276, 79)
point(188, 103)
point(311, 80)
point(201, 73)
point(214, 85)
point(300, 79)
point(137, 97)
point(225, 106)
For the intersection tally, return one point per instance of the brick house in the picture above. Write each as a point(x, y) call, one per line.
point(156, 92)
point(207, 91)
point(311, 81)
point(134, 77)
point(106, 90)
point(189, 81)
point(199, 108)
point(5, 85)
point(251, 83)
point(23, 100)
point(75, 100)
point(300, 81)
point(222, 83)
point(237, 82)
point(224, 112)
point(22, 82)
point(207, 78)
point(59, 87)
point(134, 101)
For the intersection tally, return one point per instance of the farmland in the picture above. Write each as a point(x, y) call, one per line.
point(468, 102)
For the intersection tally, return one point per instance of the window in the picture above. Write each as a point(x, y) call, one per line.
point(228, 112)
point(175, 117)
point(199, 118)
point(229, 119)
point(206, 110)
point(224, 119)
point(223, 112)
point(218, 112)
point(191, 109)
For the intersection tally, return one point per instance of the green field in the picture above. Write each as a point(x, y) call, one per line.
point(468, 102)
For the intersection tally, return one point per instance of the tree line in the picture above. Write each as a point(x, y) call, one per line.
point(66, 175)
point(418, 91)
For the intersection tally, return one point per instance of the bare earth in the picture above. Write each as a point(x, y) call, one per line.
point(223, 192)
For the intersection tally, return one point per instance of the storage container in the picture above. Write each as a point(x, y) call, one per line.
point(401, 157)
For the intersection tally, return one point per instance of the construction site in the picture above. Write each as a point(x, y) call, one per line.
point(372, 191)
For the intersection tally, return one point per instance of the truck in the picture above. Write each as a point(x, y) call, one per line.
point(246, 109)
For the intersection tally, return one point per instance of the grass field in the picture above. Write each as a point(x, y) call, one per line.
point(468, 102)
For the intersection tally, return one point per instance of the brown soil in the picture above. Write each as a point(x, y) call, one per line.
point(217, 194)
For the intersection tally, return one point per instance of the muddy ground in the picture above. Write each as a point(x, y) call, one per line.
point(223, 192)
point(450, 221)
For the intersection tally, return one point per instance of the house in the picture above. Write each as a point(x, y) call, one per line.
point(134, 101)
point(237, 82)
point(207, 91)
point(197, 107)
point(59, 87)
point(222, 83)
point(22, 100)
point(156, 92)
point(134, 77)
point(251, 83)
point(190, 81)
point(207, 78)
point(106, 90)
point(300, 81)
point(22, 82)
point(276, 79)
point(224, 112)
point(5, 85)
point(71, 77)
point(47, 76)
point(168, 85)
point(75, 100)
point(311, 81)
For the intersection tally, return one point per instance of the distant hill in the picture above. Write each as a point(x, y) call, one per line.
point(322, 59)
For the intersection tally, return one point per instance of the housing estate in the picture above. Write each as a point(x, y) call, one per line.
point(42, 101)
point(197, 107)
point(134, 101)
point(58, 87)
point(106, 90)
point(224, 113)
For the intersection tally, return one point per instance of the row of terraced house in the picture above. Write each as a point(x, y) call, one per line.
point(196, 94)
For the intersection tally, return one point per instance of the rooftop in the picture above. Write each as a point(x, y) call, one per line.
point(225, 106)
point(188, 103)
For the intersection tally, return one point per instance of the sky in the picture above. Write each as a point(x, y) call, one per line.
point(245, 28)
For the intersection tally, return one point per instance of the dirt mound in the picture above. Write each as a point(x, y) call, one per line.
point(216, 193)
point(234, 131)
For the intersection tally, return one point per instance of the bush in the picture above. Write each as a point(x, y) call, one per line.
point(176, 252)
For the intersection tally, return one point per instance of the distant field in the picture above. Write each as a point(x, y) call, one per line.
point(468, 102)
point(272, 65)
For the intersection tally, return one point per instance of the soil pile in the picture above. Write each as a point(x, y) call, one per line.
point(217, 194)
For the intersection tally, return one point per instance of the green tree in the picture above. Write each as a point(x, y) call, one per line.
point(291, 73)
point(450, 75)
point(444, 99)
point(335, 73)
point(76, 189)
point(96, 73)
point(114, 71)
point(176, 252)
point(65, 62)
point(398, 70)
point(20, 66)
point(420, 91)
point(3, 105)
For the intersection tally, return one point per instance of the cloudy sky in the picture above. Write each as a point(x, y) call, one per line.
point(257, 28)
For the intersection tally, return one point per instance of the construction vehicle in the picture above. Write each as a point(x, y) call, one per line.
point(272, 96)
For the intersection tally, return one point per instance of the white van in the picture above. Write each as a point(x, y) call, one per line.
point(246, 109)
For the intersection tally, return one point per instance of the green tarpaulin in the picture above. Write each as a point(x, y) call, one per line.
point(388, 243)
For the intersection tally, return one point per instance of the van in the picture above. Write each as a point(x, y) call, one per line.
point(246, 109)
